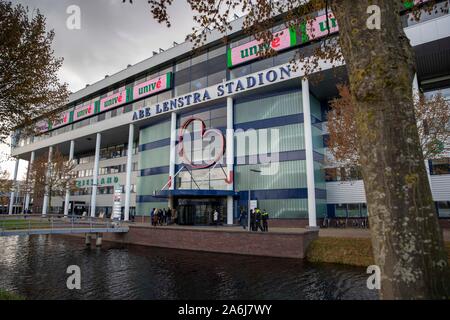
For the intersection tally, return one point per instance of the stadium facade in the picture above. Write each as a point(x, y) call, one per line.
point(213, 128)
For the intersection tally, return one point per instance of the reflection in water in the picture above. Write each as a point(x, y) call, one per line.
point(35, 267)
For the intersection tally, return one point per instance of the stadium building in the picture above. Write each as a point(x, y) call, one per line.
point(213, 128)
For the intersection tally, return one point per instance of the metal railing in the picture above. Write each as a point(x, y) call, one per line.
point(32, 222)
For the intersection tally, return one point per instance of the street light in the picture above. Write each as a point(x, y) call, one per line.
point(249, 199)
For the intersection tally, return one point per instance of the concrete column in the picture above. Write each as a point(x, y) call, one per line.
point(14, 187)
point(172, 159)
point(98, 239)
point(415, 87)
point(95, 174)
point(46, 193)
point(129, 167)
point(67, 199)
point(87, 239)
point(309, 154)
point(173, 138)
point(230, 159)
point(28, 195)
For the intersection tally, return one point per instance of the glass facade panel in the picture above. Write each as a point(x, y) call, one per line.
point(268, 107)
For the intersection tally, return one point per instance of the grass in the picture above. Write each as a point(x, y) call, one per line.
point(349, 251)
point(4, 295)
point(23, 224)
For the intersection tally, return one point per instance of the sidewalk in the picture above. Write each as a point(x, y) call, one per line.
point(324, 232)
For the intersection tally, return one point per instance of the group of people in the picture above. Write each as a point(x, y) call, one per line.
point(259, 220)
point(163, 217)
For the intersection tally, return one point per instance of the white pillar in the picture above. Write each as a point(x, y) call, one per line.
point(172, 159)
point(172, 156)
point(46, 193)
point(415, 87)
point(309, 154)
point(129, 167)
point(14, 187)
point(28, 195)
point(95, 174)
point(67, 199)
point(230, 159)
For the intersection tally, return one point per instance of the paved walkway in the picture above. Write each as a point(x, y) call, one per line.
point(220, 228)
point(324, 232)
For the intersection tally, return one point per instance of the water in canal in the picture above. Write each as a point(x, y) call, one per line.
point(35, 267)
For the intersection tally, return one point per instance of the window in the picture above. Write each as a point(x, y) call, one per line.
point(182, 89)
point(198, 59)
point(217, 78)
point(221, 51)
point(330, 174)
point(440, 166)
point(183, 65)
point(443, 208)
point(199, 84)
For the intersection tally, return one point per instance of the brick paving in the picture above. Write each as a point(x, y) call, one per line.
point(324, 232)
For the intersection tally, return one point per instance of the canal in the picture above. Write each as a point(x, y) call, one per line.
point(35, 267)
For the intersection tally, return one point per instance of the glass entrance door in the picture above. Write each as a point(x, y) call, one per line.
point(196, 211)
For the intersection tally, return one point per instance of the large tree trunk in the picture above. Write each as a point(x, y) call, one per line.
point(406, 237)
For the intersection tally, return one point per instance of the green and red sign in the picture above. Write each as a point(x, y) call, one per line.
point(84, 111)
point(153, 86)
point(282, 40)
point(308, 31)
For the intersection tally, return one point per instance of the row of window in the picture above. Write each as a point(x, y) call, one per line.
point(100, 190)
point(106, 153)
point(359, 210)
point(106, 170)
point(343, 174)
point(437, 167)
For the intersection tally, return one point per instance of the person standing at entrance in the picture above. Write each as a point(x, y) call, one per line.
point(258, 219)
point(216, 217)
point(265, 218)
point(252, 220)
point(243, 219)
point(152, 217)
point(169, 216)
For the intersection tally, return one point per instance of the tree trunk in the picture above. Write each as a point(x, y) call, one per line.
point(407, 240)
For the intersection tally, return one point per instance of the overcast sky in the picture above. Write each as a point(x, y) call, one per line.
point(112, 35)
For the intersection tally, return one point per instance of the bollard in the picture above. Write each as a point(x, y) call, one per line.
point(87, 239)
point(99, 239)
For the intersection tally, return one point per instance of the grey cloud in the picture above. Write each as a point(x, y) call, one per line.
point(112, 35)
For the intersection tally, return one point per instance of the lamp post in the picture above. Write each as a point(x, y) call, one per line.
point(249, 201)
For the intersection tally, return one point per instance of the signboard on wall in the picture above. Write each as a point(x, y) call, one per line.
point(61, 120)
point(318, 28)
point(42, 126)
point(282, 40)
point(152, 86)
point(84, 112)
point(103, 181)
point(112, 101)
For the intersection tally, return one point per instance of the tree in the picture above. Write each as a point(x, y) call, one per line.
point(53, 180)
point(432, 115)
point(5, 188)
point(29, 86)
point(406, 237)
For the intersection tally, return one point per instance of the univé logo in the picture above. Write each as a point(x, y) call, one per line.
point(205, 157)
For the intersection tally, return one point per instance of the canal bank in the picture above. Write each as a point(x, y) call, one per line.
point(279, 242)
point(337, 246)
